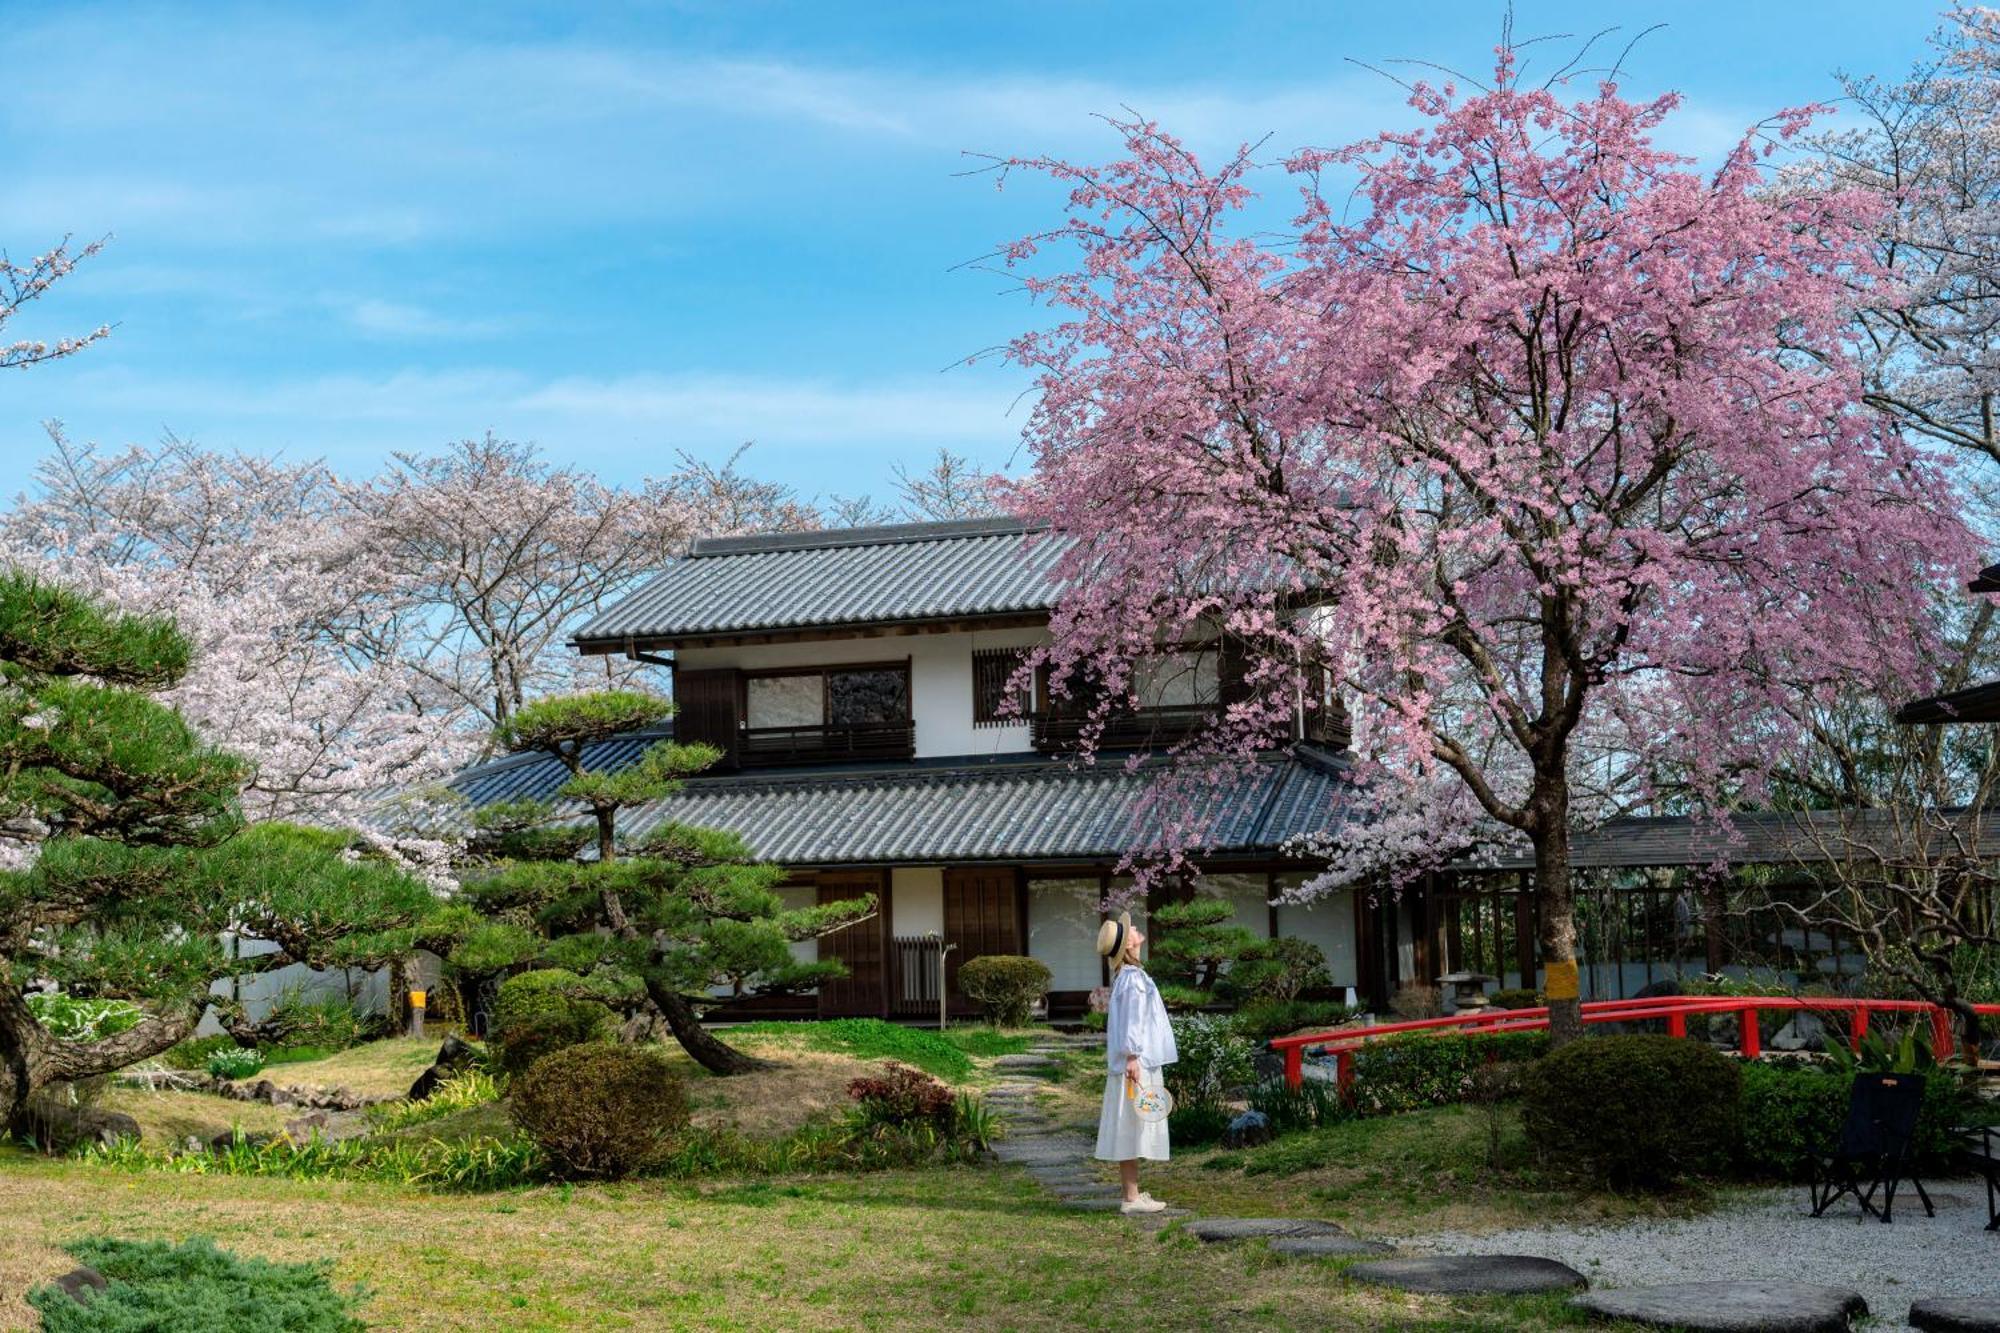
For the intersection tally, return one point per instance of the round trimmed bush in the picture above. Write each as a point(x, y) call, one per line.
point(1005, 986)
point(544, 1011)
point(1642, 1111)
point(600, 1109)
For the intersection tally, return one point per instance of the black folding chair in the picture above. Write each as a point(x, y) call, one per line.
point(1980, 1147)
point(1872, 1152)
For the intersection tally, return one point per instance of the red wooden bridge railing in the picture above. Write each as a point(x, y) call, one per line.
point(1674, 1009)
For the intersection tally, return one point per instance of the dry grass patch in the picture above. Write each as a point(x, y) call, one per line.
point(166, 1118)
point(374, 1069)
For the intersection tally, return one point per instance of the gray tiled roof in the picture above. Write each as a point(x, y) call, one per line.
point(909, 572)
point(1026, 810)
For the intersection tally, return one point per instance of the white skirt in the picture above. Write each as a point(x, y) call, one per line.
point(1121, 1135)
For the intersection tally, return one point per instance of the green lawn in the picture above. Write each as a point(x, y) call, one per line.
point(960, 1247)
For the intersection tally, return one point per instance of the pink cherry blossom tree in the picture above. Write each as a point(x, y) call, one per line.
point(22, 284)
point(1542, 450)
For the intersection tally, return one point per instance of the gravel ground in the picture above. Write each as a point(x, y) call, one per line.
point(1768, 1232)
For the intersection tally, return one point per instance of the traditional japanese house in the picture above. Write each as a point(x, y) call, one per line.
point(857, 683)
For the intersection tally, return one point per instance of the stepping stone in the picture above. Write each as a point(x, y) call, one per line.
point(1731, 1307)
point(1025, 1063)
point(1956, 1314)
point(1093, 1190)
point(1327, 1247)
point(1214, 1229)
point(1470, 1274)
point(1095, 1205)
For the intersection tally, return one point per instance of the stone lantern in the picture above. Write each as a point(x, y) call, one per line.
point(1468, 989)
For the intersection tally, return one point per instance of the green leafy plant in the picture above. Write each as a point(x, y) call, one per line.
point(1633, 1111)
point(1006, 987)
point(194, 1052)
point(463, 1090)
point(974, 1123)
point(1313, 1103)
point(482, 1163)
point(68, 1018)
point(1883, 1053)
point(235, 1062)
point(1214, 1059)
point(193, 1287)
point(544, 1011)
point(1198, 1124)
point(601, 1109)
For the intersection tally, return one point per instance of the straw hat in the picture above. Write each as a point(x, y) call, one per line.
point(1111, 936)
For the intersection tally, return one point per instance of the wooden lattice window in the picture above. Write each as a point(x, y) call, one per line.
point(997, 700)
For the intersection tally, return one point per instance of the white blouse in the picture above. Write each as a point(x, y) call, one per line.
point(1135, 1023)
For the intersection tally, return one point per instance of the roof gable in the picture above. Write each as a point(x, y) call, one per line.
point(906, 574)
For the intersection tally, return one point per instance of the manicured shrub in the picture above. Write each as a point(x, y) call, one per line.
point(1403, 1073)
point(1214, 1060)
point(194, 1052)
point(235, 1062)
point(1261, 1020)
point(1787, 1112)
point(194, 1287)
point(1641, 1111)
point(544, 1011)
point(1516, 997)
point(600, 1109)
point(1004, 986)
point(901, 1095)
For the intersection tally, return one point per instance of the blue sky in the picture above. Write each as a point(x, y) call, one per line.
point(623, 230)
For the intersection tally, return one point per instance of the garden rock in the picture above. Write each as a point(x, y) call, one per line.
point(1804, 1033)
point(1215, 1229)
point(1327, 1247)
point(307, 1126)
point(1248, 1130)
point(60, 1129)
point(80, 1280)
point(1962, 1314)
point(1731, 1307)
point(1470, 1274)
point(226, 1140)
point(452, 1057)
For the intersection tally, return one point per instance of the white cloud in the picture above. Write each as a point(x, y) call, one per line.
point(401, 320)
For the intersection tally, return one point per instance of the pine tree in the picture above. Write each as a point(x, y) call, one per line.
point(674, 916)
point(135, 859)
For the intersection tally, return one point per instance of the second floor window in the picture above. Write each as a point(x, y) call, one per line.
point(830, 696)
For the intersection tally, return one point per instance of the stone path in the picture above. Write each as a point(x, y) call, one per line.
point(1731, 1307)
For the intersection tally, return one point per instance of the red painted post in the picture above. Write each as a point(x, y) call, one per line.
point(1857, 1028)
point(1295, 1067)
point(1677, 1023)
point(1752, 1040)
point(1940, 1033)
point(1343, 1064)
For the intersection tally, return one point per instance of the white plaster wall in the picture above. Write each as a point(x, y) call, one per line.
point(916, 900)
point(1329, 923)
point(1062, 931)
point(795, 897)
point(940, 680)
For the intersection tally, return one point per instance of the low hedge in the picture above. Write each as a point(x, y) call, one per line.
point(1005, 986)
point(1404, 1073)
point(1787, 1112)
point(1633, 1111)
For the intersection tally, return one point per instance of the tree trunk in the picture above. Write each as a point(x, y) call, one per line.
point(1555, 895)
point(708, 1050)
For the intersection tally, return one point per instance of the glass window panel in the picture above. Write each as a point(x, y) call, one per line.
point(868, 696)
point(785, 701)
point(1178, 680)
point(1062, 931)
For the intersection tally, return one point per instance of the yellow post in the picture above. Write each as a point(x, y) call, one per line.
point(416, 1013)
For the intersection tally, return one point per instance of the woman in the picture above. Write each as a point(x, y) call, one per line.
point(1138, 1040)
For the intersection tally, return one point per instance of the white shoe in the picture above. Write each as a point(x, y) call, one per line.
point(1145, 1203)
